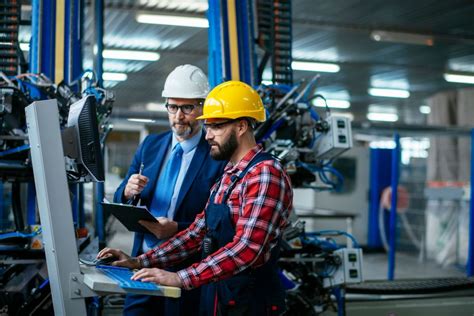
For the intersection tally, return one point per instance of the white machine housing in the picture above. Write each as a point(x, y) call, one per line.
point(350, 269)
point(336, 140)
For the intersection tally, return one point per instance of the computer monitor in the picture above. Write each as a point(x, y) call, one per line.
point(81, 142)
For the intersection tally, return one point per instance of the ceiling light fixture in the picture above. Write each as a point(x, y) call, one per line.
point(332, 103)
point(130, 55)
point(25, 47)
point(172, 20)
point(384, 117)
point(140, 120)
point(390, 93)
point(114, 76)
point(318, 67)
point(425, 109)
point(400, 37)
point(459, 78)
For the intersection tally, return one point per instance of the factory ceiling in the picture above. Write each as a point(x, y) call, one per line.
point(408, 45)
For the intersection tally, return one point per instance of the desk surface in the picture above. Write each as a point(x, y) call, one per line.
point(99, 282)
point(321, 213)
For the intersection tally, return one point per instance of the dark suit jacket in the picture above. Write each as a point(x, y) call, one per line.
point(201, 175)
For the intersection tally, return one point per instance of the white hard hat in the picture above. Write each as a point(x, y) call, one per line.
point(187, 82)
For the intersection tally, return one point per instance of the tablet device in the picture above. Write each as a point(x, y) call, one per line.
point(129, 216)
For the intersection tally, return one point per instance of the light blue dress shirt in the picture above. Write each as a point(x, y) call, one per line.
point(189, 148)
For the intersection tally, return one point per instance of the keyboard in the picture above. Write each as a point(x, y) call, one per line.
point(123, 275)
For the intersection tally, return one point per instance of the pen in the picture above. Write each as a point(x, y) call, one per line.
point(137, 198)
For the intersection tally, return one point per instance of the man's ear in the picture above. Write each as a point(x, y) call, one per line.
point(242, 127)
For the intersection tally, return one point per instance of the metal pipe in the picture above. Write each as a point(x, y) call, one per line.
point(99, 187)
point(393, 208)
point(470, 255)
point(99, 39)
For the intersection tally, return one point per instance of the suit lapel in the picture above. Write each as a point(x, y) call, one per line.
point(156, 161)
point(198, 159)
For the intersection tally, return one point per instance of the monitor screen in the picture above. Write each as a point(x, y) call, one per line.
point(83, 141)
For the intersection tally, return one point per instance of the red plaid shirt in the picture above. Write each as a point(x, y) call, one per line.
point(260, 204)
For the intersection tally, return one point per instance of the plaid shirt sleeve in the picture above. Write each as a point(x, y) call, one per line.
point(265, 203)
point(177, 248)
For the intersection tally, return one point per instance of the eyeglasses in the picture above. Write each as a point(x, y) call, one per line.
point(217, 129)
point(185, 108)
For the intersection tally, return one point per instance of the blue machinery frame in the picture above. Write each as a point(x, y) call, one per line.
point(393, 207)
point(56, 52)
point(231, 42)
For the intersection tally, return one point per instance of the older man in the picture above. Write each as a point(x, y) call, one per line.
point(172, 174)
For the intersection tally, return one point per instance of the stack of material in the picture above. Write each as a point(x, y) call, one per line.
point(9, 28)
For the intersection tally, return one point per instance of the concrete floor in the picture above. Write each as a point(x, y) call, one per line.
point(407, 266)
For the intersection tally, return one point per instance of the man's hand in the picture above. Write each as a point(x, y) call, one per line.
point(158, 276)
point(122, 259)
point(164, 229)
point(135, 185)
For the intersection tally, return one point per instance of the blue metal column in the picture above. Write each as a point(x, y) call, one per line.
point(73, 189)
point(98, 65)
point(215, 44)
point(246, 42)
point(380, 177)
point(231, 42)
point(393, 208)
point(31, 207)
point(470, 255)
point(81, 220)
point(72, 47)
point(43, 30)
point(3, 214)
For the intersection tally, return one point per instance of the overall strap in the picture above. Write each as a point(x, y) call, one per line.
point(262, 156)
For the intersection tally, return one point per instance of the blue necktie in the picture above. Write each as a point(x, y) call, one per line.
point(164, 189)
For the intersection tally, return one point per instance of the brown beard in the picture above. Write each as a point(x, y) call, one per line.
point(227, 149)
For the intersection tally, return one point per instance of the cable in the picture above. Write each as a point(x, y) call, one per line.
point(328, 110)
point(35, 232)
point(335, 232)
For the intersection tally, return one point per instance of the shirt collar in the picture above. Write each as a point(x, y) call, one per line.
point(188, 144)
point(243, 163)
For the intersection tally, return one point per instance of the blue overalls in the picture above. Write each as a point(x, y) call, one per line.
point(251, 292)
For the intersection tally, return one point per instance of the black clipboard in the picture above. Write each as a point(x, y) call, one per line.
point(129, 216)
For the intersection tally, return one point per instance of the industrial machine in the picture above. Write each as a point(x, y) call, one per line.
point(82, 117)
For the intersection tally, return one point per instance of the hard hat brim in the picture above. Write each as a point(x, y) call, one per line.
point(258, 115)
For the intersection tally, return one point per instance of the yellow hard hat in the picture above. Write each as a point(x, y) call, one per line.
point(233, 99)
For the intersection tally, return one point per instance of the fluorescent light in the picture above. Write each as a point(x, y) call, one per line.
point(114, 76)
point(332, 103)
point(310, 66)
point(400, 37)
point(140, 120)
point(384, 117)
point(459, 78)
point(156, 107)
point(173, 20)
point(267, 82)
point(390, 93)
point(386, 144)
point(130, 55)
point(425, 109)
point(25, 47)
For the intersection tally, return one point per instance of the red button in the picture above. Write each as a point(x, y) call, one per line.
point(274, 308)
point(231, 303)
